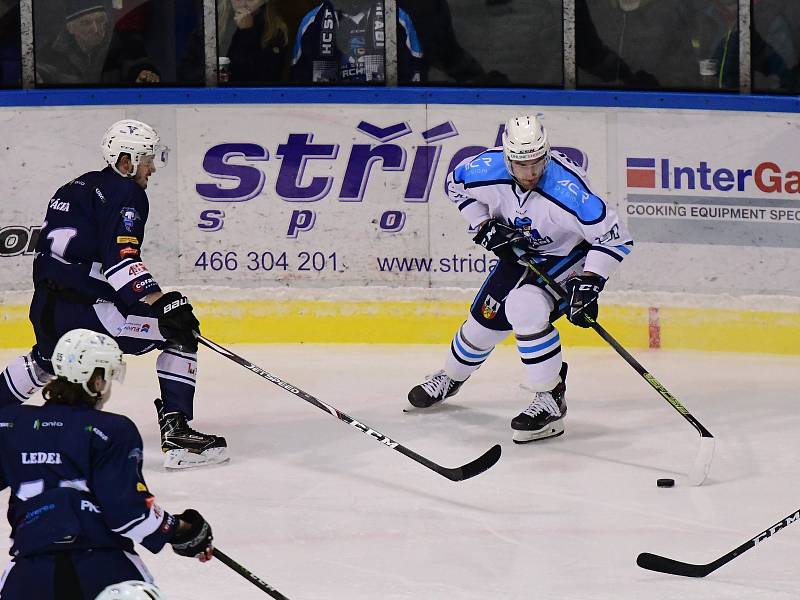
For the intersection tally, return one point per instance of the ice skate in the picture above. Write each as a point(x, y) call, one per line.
point(184, 447)
point(544, 417)
point(433, 390)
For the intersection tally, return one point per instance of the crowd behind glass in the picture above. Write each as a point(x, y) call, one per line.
point(620, 44)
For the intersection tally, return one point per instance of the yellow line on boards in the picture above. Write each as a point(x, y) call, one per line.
point(435, 322)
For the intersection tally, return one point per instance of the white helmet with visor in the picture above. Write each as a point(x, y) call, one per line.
point(131, 590)
point(525, 139)
point(79, 352)
point(135, 139)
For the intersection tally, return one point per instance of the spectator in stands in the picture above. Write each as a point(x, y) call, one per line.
point(10, 51)
point(441, 49)
point(635, 43)
point(89, 51)
point(255, 37)
point(344, 41)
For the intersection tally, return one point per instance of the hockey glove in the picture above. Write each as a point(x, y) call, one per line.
point(506, 242)
point(582, 293)
point(176, 321)
point(196, 541)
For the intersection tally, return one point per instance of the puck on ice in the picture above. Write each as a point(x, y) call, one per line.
point(665, 482)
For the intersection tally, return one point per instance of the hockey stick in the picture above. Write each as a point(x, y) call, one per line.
point(476, 467)
point(663, 564)
point(705, 452)
point(256, 581)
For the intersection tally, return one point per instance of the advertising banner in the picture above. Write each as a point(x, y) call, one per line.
point(342, 196)
point(353, 195)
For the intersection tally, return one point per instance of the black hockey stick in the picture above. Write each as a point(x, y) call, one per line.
point(256, 581)
point(476, 467)
point(663, 564)
point(705, 452)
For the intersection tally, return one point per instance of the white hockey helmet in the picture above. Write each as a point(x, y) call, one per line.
point(80, 351)
point(131, 590)
point(136, 139)
point(524, 138)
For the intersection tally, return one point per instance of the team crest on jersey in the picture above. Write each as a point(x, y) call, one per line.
point(129, 217)
point(490, 308)
point(535, 238)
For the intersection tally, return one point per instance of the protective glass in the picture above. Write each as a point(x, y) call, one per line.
point(118, 374)
point(158, 159)
point(161, 157)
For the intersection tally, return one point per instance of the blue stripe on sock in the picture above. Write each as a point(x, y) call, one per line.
point(468, 354)
point(530, 350)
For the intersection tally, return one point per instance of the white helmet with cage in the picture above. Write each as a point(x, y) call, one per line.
point(131, 590)
point(524, 138)
point(80, 351)
point(135, 139)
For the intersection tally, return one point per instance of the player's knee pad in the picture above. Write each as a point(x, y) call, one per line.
point(528, 309)
point(478, 336)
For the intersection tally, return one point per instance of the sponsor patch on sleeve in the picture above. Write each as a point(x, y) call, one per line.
point(127, 239)
point(128, 252)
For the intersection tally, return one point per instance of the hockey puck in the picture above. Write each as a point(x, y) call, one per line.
point(665, 482)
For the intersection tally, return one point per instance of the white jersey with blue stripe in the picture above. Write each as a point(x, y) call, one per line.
point(560, 213)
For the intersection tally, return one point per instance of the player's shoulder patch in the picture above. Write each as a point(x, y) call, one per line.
point(486, 168)
point(566, 188)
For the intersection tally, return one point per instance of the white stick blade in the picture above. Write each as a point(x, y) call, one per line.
point(702, 464)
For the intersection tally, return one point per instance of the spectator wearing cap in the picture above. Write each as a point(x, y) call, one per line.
point(89, 51)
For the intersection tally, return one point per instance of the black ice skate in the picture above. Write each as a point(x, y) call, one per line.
point(544, 417)
point(434, 389)
point(183, 446)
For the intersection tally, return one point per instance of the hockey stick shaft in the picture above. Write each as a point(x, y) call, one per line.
point(648, 377)
point(256, 581)
point(477, 466)
point(662, 564)
point(705, 453)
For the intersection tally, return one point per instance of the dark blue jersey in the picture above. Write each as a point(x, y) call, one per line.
point(76, 481)
point(91, 239)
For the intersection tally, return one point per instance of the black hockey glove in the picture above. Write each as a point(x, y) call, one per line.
point(582, 293)
point(195, 541)
point(506, 242)
point(176, 321)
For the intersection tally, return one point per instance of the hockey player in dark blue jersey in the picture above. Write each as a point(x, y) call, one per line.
point(528, 203)
point(344, 41)
point(88, 273)
point(78, 499)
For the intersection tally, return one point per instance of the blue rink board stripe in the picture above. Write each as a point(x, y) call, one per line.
point(372, 95)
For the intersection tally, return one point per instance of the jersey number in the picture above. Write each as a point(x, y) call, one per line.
point(31, 489)
point(60, 239)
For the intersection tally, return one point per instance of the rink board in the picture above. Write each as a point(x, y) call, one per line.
point(427, 322)
point(305, 190)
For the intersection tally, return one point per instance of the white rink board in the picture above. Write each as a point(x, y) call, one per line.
point(237, 161)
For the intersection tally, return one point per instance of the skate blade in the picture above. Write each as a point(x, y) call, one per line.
point(550, 430)
point(183, 459)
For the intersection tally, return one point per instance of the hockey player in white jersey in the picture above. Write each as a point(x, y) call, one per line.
point(529, 203)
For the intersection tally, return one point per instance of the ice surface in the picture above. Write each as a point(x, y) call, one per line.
point(322, 512)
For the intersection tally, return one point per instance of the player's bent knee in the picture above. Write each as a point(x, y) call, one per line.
point(480, 336)
point(528, 309)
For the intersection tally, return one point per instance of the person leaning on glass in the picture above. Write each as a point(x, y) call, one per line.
point(88, 50)
point(254, 37)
